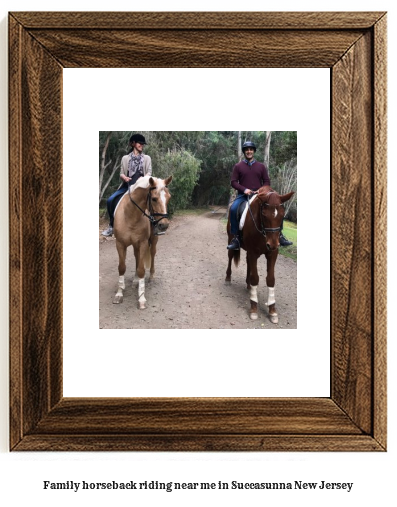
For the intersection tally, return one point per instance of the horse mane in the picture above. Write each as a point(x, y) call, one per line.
point(141, 183)
point(264, 191)
point(144, 182)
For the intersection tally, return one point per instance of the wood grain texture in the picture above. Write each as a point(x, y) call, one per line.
point(198, 443)
point(196, 48)
point(15, 227)
point(162, 416)
point(202, 20)
point(380, 228)
point(353, 45)
point(36, 230)
point(352, 237)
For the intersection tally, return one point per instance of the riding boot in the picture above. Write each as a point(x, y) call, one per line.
point(284, 241)
point(234, 244)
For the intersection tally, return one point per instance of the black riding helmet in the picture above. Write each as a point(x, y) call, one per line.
point(248, 144)
point(138, 138)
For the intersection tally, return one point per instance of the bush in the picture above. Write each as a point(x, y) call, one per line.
point(185, 171)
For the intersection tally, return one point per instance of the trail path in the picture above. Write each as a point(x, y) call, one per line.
point(189, 291)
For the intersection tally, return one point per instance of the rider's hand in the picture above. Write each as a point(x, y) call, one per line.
point(126, 178)
point(247, 191)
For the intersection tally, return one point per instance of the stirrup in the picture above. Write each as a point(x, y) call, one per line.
point(235, 244)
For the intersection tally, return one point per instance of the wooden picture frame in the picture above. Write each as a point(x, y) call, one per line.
point(353, 46)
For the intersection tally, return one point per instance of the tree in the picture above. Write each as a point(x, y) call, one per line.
point(287, 181)
point(267, 147)
point(104, 165)
point(239, 146)
point(207, 157)
point(185, 170)
point(112, 146)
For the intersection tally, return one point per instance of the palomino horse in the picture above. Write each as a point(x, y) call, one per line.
point(260, 235)
point(140, 217)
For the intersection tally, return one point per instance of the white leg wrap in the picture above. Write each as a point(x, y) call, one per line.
point(271, 298)
point(254, 293)
point(141, 290)
point(120, 288)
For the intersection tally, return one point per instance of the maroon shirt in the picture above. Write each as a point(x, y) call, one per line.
point(252, 176)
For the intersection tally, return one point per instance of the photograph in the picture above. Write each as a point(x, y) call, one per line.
point(179, 210)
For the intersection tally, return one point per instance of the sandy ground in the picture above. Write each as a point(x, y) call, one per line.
point(189, 291)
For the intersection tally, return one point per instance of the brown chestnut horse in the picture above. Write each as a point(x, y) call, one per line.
point(260, 236)
point(140, 217)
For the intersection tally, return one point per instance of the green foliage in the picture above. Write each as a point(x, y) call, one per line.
point(283, 148)
point(185, 170)
point(218, 156)
point(118, 146)
point(290, 231)
point(201, 161)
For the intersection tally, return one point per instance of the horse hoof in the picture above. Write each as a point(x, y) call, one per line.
point(253, 316)
point(228, 282)
point(273, 318)
point(142, 306)
point(117, 300)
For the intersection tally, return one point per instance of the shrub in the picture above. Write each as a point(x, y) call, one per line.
point(185, 171)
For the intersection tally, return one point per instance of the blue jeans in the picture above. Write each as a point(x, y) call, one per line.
point(113, 200)
point(234, 225)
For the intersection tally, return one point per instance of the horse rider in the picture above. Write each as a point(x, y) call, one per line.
point(133, 166)
point(248, 176)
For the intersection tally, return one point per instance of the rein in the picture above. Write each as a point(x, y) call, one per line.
point(264, 230)
point(152, 215)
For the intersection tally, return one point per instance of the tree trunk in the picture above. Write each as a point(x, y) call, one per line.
point(267, 147)
point(105, 186)
point(239, 150)
point(103, 164)
point(288, 182)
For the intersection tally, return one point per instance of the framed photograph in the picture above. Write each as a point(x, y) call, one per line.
point(353, 47)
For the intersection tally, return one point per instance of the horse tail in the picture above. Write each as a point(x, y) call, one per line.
point(236, 257)
point(148, 258)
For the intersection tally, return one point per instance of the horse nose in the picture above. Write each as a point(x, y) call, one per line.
point(163, 225)
point(274, 247)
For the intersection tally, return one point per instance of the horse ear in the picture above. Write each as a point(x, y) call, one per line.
point(286, 197)
point(168, 180)
point(151, 181)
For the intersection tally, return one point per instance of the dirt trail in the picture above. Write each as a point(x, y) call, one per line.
point(189, 291)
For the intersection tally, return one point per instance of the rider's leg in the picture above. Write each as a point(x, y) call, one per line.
point(234, 226)
point(283, 240)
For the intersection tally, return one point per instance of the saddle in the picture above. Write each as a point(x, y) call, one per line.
point(242, 212)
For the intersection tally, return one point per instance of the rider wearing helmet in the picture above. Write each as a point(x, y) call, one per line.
point(248, 176)
point(133, 166)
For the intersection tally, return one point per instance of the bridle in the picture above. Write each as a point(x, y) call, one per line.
point(152, 214)
point(263, 229)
